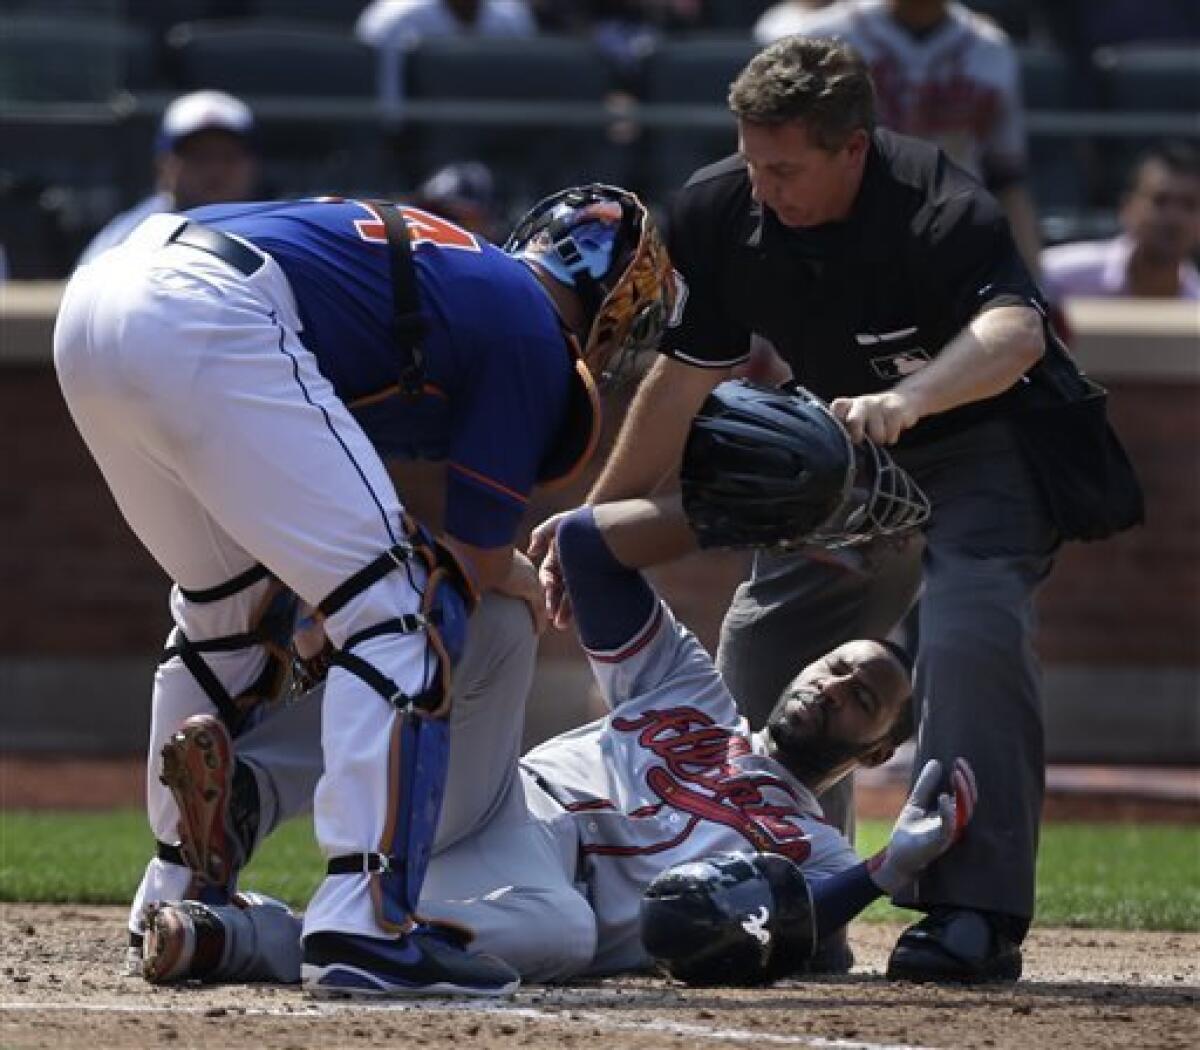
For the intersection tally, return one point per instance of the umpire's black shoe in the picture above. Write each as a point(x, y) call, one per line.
point(954, 945)
point(430, 960)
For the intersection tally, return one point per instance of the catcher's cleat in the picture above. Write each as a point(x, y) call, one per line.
point(198, 768)
point(431, 960)
point(185, 940)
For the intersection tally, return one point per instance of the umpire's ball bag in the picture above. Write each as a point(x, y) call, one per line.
point(1073, 452)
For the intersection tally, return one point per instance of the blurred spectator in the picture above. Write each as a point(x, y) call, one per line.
point(941, 73)
point(781, 19)
point(204, 155)
point(465, 194)
point(1154, 254)
point(399, 23)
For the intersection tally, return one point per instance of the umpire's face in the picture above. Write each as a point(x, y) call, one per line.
point(839, 712)
point(799, 181)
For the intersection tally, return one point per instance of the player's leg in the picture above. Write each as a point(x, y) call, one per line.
point(282, 752)
point(512, 885)
point(977, 678)
point(107, 346)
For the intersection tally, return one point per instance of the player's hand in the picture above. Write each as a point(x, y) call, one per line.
point(881, 417)
point(522, 582)
point(928, 825)
point(543, 549)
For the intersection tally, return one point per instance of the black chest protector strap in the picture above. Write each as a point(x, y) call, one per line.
point(408, 322)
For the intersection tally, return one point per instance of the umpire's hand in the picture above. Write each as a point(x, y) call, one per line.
point(881, 417)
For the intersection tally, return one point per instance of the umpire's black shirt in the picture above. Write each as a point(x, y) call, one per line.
point(852, 306)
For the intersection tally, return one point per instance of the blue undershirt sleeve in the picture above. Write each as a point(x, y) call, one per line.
point(839, 898)
point(611, 602)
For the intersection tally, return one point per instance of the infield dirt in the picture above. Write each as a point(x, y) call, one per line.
point(60, 986)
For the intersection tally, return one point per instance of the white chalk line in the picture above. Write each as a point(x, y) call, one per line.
point(566, 1017)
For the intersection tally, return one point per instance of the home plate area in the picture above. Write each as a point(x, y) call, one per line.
point(60, 986)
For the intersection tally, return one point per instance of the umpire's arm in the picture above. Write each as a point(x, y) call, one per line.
point(650, 444)
point(985, 359)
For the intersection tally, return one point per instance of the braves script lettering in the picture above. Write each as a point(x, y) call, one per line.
point(698, 776)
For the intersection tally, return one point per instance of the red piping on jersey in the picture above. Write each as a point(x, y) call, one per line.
point(428, 390)
point(483, 479)
point(600, 850)
point(639, 642)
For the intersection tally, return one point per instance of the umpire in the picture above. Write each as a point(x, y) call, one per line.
point(888, 280)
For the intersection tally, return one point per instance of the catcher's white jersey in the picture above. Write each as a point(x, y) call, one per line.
point(671, 775)
point(958, 86)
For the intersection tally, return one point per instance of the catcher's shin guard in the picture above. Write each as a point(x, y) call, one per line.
point(418, 762)
point(420, 745)
point(201, 772)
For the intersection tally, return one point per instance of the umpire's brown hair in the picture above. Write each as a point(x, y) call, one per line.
point(822, 83)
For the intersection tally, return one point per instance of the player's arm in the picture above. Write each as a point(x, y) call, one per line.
point(504, 570)
point(613, 602)
point(648, 448)
point(929, 824)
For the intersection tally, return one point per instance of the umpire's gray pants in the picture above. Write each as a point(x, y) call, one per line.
point(988, 546)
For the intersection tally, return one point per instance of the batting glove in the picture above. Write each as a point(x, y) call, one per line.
point(928, 825)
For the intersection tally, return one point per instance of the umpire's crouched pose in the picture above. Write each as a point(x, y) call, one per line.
point(888, 280)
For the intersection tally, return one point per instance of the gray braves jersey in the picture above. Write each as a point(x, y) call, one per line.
point(673, 774)
point(958, 86)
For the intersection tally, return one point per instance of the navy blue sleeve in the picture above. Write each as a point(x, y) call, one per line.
point(838, 898)
point(611, 602)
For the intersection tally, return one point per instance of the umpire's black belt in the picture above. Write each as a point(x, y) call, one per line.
point(228, 249)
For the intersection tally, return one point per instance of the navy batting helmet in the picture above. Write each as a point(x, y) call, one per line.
point(602, 242)
point(767, 467)
point(730, 919)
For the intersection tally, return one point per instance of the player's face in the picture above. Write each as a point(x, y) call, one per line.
point(837, 712)
point(801, 183)
point(1162, 214)
point(209, 167)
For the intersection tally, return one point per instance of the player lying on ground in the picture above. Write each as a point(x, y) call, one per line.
point(546, 859)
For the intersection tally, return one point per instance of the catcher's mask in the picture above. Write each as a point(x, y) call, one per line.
point(730, 919)
point(766, 467)
point(602, 242)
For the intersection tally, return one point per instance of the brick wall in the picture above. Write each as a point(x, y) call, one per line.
point(79, 585)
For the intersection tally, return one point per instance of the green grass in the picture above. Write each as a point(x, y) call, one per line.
point(1112, 876)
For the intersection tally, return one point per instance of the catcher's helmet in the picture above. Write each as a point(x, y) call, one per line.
point(766, 467)
point(732, 918)
point(602, 242)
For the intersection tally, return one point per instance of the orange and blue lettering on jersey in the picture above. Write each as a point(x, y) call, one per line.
point(498, 370)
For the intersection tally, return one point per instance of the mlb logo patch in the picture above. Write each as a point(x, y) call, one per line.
point(901, 364)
